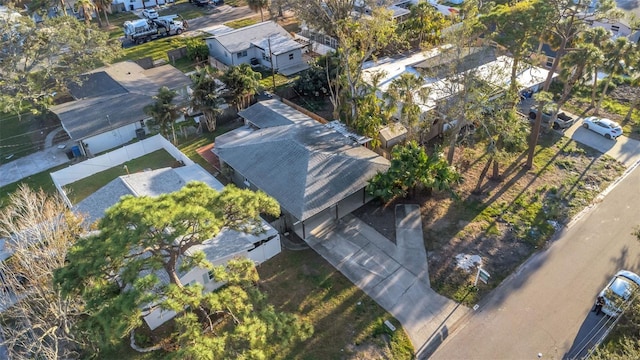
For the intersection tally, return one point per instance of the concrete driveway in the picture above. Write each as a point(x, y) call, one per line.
point(624, 149)
point(391, 275)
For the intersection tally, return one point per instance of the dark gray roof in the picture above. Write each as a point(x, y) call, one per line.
point(121, 91)
point(87, 117)
point(306, 166)
point(241, 39)
point(95, 84)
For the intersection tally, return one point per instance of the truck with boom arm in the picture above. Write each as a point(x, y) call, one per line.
point(142, 30)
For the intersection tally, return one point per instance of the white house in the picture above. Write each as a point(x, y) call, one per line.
point(108, 106)
point(258, 44)
point(228, 244)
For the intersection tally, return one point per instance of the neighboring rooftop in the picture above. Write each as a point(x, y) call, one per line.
point(278, 44)
point(113, 96)
point(305, 165)
point(242, 38)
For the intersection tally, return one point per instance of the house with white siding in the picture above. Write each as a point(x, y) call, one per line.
point(258, 44)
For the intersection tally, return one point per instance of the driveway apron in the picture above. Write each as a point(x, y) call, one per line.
point(391, 275)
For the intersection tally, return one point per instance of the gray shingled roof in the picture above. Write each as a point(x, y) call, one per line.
point(306, 166)
point(241, 39)
point(279, 44)
point(121, 90)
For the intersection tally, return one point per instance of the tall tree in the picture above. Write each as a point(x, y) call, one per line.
point(424, 25)
point(576, 65)
point(36, 62)
point(463, 99)
point(598, 37)
point(411, 167)
point(570, 19)
point(142, 240)
point(516, 27)
point(88, 8)
point(243, 83)
point(618, 55)
point(359, 39)
point(205, 96)
point(373, 112)
point(37, 321)
point(258, 6)
point(164, 112)
point(409, 94)
point(105, 6)
point(324, 15)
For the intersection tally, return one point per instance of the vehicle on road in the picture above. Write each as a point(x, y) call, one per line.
point(150, 14)
point(561, 121)
point(605, 127)
point(143, 30)
point(619, 291)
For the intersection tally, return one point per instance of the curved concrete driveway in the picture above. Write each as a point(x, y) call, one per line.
point(395, 276)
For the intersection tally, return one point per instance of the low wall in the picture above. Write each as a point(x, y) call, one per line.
point(113, 158)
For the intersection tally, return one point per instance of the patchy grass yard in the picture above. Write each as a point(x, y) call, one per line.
point(510, 219)
point(80, 189)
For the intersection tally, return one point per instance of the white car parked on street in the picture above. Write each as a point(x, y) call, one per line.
point(150, 13)
point(605, 127)
point(619, 291)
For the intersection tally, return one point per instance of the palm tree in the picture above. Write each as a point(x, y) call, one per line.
point(164, 112)
point(617, 56)
point(88, 7)
point(205, 95)
point(635, 82)
point(408, 92)
point(598, 37)
point(258, 5)
point(372, 111)
point(576, 64)
point(243, 83)
point(105, 6)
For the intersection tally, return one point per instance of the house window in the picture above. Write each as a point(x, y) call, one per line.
point(265, 57)
point(549, 62)
point(242, 54)
point(208, 277)
point(290, 56)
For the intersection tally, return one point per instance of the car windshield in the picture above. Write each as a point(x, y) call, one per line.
point(621, 288)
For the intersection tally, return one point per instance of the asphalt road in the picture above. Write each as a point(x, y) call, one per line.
point(543, 310)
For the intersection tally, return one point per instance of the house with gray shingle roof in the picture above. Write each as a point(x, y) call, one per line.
point(258, 44)
point(228, 244)
point(316, 173)
point(108, 104)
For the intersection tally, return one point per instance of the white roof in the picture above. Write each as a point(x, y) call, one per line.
point(497, 73)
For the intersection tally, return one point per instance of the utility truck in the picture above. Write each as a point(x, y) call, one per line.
point(143, 30)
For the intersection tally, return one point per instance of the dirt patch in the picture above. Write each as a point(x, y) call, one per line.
point(509, 218)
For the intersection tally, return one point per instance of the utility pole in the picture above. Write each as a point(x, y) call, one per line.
point(273, 72)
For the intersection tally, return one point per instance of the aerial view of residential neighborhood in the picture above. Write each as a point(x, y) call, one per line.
point(319, 179)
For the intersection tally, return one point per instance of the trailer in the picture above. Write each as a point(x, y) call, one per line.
point(142, 30)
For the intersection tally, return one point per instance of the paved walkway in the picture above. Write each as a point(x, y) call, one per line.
point(394, 276)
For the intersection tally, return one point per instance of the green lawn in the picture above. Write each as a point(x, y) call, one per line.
point(15, 140)
point(237, 24)
point(80, 189)
point(38, 181)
